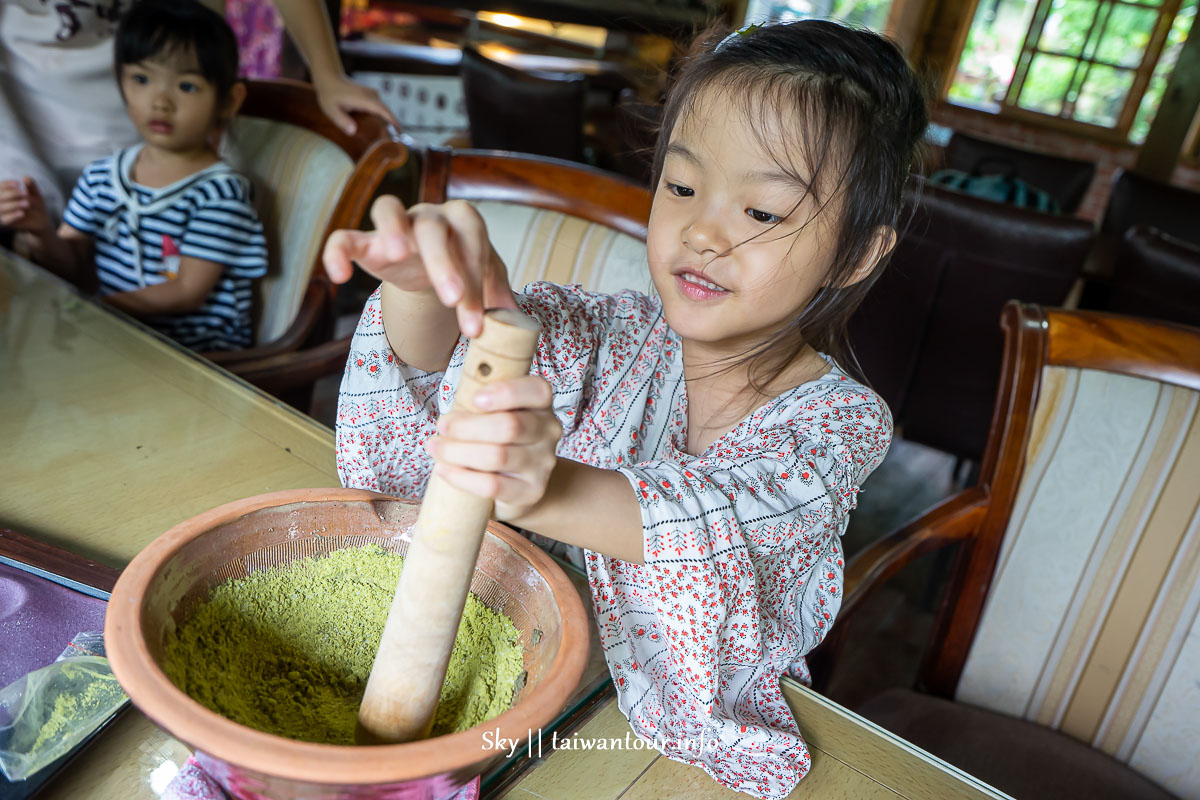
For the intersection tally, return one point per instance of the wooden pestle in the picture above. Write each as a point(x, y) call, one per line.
point(410, 665)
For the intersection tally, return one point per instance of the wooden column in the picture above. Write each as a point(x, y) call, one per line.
point(1175, 115)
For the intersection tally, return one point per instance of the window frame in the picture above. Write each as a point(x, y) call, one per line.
point(1143, 72)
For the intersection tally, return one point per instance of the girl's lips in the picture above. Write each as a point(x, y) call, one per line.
point(696, 287)
point(158, 126)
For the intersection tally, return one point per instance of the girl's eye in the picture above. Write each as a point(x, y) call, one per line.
point(679, 191)
point(138, 77)
point(764, 217)
point(187, 87)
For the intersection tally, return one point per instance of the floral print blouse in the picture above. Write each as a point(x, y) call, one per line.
point(743, 561)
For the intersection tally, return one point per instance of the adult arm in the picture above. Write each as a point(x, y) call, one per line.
point(308, 23)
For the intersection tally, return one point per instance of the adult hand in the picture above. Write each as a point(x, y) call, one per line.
point(337, 96)
point(440, 247)
point(507, 451)
point(22, 207)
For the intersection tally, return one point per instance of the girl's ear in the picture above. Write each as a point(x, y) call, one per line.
point(233, 102)
point(881, 244)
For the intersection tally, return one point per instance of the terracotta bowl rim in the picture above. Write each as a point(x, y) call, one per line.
point(173, 710)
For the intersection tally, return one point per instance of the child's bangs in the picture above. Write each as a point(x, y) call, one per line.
point(164, 45)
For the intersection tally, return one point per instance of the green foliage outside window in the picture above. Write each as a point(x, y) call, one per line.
point(1060, 81)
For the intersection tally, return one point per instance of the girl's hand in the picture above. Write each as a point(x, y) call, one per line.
point(440, 247)
point(22, 207)
point(506, 452)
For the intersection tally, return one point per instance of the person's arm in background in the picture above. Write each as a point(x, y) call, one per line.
point(308, 23)
point(66, 251)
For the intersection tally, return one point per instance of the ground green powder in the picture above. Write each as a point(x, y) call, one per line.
point(288, 650)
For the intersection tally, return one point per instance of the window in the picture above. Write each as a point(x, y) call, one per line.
point(1088, 64)
point(867, 13)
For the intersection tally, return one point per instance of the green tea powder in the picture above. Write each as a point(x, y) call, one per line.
point(288, 650)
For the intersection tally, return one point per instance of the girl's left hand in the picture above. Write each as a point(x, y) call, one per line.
point(337, 96)
point(505, 452)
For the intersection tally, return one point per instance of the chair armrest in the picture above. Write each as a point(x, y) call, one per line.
point(952, 520)
point(313, 306)
point(283, 371)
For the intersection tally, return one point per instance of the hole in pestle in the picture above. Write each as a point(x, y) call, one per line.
point(485, 369)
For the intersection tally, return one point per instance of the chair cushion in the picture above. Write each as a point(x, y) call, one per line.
point(1092, 619)
point(1018, 757)
point(540, 245)
point(298, 179)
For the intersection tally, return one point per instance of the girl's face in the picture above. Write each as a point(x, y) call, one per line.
point(170, 102)
point(736, 247)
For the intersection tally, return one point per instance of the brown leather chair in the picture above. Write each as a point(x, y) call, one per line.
point(1138, 200)
point(1156, 276)
point(523, 112)
point(926, 336)
point(1057, 665)
point(1065, 179)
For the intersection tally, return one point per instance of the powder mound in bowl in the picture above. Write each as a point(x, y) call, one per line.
point(287, 650)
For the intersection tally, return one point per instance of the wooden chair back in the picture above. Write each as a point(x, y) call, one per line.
point(549, 219)
point(310, 179)
point(1075, 595)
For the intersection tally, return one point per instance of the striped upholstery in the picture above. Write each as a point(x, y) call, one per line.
point(546, 245)
point(298, 178)
point(1091, 624)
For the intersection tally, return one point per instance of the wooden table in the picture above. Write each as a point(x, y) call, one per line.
point(113, 434)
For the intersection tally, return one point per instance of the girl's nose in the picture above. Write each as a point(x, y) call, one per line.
point(706, 235)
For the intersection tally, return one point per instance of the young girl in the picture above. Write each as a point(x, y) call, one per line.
point(170, 229)
point(700, 446)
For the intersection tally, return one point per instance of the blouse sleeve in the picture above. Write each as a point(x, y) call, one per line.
point(744, 539)
point(387, 409)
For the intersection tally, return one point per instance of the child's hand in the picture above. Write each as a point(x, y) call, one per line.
point(507, 452)
point(440, 247)
point(22, 207)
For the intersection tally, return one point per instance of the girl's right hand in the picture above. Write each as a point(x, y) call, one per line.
point(22, 207)
point(440, 247)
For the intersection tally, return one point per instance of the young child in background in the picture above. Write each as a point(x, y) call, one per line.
point(170, 230)
point(702, 447)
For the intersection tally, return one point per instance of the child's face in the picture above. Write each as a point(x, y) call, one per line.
point(170, 102)
point(719, 188)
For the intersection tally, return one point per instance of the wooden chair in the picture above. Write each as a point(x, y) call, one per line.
point(310, 178)
point(548, 220)
point(1063, 661)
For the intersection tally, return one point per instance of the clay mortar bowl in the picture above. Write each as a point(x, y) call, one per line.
point(162, 585)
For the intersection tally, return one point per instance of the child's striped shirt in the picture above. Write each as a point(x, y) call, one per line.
point(140, 234)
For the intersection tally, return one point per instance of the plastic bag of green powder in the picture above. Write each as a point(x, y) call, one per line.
point(46, 713)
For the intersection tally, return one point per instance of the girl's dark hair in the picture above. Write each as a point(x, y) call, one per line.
point(153, 27)
point(857, 116)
